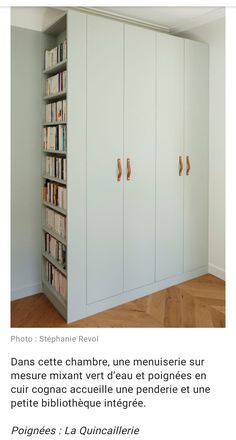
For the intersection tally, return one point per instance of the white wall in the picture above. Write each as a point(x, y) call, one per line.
point(214, 34)
point(26, 67)
point(25, 162)
point(34, 18)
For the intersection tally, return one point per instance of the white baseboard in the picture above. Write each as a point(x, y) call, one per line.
point(217, 271)
point(26, 291)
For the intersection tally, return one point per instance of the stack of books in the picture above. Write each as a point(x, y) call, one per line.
point(56, 111)
point(54, 138)
point(55, 167)
point(56, 222)
point(56, 55)
point(54, 194)
point(56, 83)
point(56, 279)
point(56, 249)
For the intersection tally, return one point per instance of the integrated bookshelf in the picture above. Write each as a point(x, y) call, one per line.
point(54, 165)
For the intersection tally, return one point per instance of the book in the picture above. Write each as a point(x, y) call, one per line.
point(55, 55)
point(54, 194)
point(56, 279)
point(55, 138)
point(56, 83)
point(56, 222)
point(56, 249)
point(55, 111)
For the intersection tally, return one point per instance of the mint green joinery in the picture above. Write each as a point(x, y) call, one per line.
point(139, 147)
point(105, 238)
point(129, 238)
point(170, 147)
point(196, 147)
point(182, 131)
point(76, 166)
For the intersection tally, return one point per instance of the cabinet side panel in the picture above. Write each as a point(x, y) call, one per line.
point(196, 147)
point(104, 148)
point(76, 169)
point(139, 147)
point(169, 189)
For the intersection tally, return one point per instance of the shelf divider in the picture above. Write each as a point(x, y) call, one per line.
point(54, 96)
point(55, 208)
point(54, 262)
point(54, 234)
point(56, 68)
point(54, 123)
point(62, 153)
point(54, 179)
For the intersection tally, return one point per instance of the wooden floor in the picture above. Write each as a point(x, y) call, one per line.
point(196, 303)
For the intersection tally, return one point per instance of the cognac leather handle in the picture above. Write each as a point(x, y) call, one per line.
point(188, 165)
point(180, 165)
point(119, 169)
point(128, 169)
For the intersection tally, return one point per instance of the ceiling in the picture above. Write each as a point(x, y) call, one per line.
point(170, 19)
point(173, 18)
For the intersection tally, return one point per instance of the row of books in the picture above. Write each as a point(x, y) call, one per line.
point(54, 194)
point(56, 83)
point(56, 279)
point(54, 138)
point(55, 167)
point(56, 222)
point(56, 249)
point(56, 111)
point(56, 55)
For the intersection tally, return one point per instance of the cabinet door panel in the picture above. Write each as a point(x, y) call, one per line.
point(196, 147)
point(170, 101)
point(76, 162)
point(139, 137)
point(104, 147)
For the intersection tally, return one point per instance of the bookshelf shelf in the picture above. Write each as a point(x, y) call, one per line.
point(54, 179)
point(55, 96)
point(56, 295)
point(61, 153)
point(56, 68)
point(55, 208)
point(47, 124)
point(54, 234)
point(54, 262)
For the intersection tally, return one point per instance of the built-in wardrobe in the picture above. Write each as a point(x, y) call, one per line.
point(137, 163)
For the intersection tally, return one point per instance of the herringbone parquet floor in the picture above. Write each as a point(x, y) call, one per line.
point(196, 303)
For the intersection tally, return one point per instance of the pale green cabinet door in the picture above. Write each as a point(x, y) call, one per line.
point(104, 147)
point(139, 148)
point(170, 148)
point(196, 156)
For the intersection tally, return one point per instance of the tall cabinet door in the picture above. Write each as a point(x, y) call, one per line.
point(139, 148)
point(169, 182)
point(196, 156)
point(104, 148)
